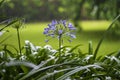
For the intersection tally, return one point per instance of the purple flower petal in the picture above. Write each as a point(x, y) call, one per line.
point(52, 35)
point(63, 22)
point(71, 27)
point(52, 28)
point(54, 22)
point(60, 32)
point(49, 25)
point(72, 36)
point(46, 30)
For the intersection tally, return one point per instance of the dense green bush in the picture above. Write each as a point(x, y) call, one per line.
point(43, 63)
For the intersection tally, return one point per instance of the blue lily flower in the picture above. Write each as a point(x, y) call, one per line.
point(60, 28)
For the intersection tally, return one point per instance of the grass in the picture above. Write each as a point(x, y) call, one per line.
point(92, 31)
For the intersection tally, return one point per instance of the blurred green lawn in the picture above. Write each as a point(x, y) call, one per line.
point(91, 31)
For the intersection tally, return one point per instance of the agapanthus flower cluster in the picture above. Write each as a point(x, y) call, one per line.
point(59, 29)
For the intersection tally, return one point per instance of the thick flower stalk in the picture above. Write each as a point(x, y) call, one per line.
point(60, 29)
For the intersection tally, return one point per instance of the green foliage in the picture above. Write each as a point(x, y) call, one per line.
point(39, 63)
point(44, 63)
point(110, 26)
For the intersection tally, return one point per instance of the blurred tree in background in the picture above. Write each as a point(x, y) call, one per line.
point(45, 10)
point(32, 10)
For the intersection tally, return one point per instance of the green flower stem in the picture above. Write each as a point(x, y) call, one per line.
point(19, 44)
point(60, 43)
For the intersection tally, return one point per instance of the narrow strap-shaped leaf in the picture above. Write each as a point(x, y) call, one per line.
point(41, 64)
point(118, 54)
point(5, 21)
point(9, 52)
point(99, 76)
point(63, 47)
point(12, 46)
point(74, 48)
point(90, 48)
point(32, 73)
point(12, 22)
point(4, 39)
point(53, 73)
point(76, 70)
point(18, 63)
point(104, 58)
point(101, 40)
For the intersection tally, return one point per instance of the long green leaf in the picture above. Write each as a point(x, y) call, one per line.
point(19, 63)
point(99, 76)
point(32, 73)
point(9, 52)
point(90, 48)
point(104, 58)
point(101, 40)
point(63, 47)
point(12, 46)
point(118, 54)
point(41, 64)
point(12, 22)
point(76, 70)
point(74, 48)
point(53, 73)
point(4, 39)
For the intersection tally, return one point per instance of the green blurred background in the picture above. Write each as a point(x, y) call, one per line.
point(91, 17)
point(46, 10)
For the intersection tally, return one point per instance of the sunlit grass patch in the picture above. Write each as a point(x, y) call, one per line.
point(94, 25)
